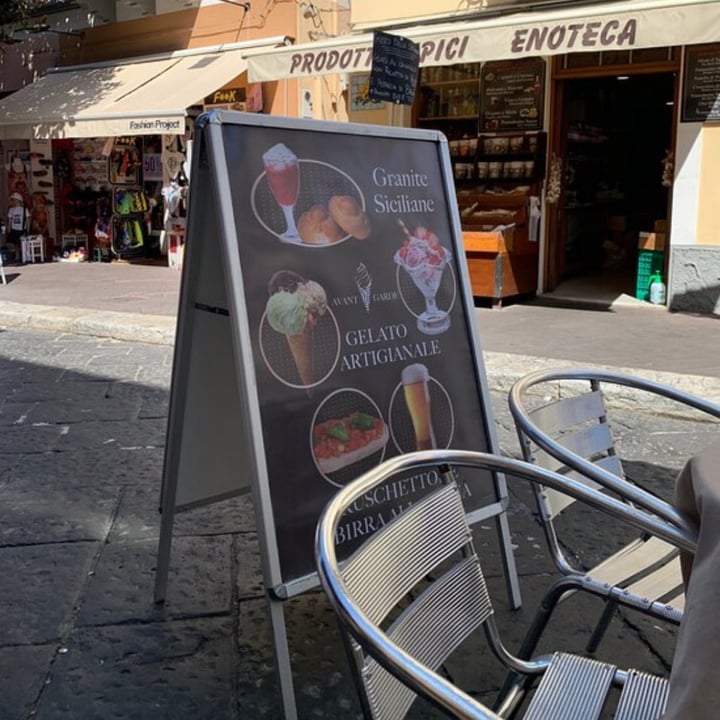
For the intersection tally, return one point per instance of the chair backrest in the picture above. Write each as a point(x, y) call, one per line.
point(590, 460)
point(430, 539)
point(579, 424)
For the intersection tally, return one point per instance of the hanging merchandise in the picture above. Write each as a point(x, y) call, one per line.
point(129, 229)
point(124, 165)
point(103, 229)
point(535, 216)
point(128, 237)
point(128, 201)
point(174, 195)
point(17, 179)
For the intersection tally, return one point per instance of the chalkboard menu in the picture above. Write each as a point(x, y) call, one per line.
point(512, 93)
point(701, 84)
point(394, 71)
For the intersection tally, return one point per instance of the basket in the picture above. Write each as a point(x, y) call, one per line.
point(648, 262)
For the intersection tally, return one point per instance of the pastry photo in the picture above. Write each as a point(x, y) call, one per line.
point(307, 202)
point(348, 435)
point(299, 336)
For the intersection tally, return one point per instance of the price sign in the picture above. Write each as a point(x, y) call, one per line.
point(152, 166)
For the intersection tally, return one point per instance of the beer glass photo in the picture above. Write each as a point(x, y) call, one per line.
point(415, 380)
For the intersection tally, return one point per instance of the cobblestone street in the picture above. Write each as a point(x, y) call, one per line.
point(81, 452)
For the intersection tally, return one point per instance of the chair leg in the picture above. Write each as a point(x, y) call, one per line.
point(542, 616)
point(532, 637)
point(601, 627)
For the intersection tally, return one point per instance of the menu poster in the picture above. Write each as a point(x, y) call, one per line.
point(701, 84)
point(512, 93)
point(360, 332)
point(394, 70)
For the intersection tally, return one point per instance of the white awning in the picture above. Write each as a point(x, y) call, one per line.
point(623, 25)
point(142, 96)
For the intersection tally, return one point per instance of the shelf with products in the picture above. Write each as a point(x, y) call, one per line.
point(448, 118)
point(498, 223)
point(447, 74)
point(450, 94)
point(502, 159)
point(485, 207)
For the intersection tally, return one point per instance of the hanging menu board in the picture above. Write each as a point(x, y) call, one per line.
point(512, 93)
point(394, 70)
point(326, 324)
point(701, 84)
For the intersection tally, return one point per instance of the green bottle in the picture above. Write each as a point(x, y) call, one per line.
point(657, 289)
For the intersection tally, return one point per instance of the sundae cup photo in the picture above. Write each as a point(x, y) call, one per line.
point(424, 259)
point(299, 338)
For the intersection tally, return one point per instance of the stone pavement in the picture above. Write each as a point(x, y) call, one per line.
point(139, 303)
point(83, 415)
point(81, 450)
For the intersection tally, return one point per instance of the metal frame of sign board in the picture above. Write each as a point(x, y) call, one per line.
point(207, 459)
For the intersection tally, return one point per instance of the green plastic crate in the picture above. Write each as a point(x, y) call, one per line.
point(648, 262)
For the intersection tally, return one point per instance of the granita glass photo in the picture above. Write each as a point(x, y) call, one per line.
point(283, 175)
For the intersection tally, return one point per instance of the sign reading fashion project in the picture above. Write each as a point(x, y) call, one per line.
point(359, 334)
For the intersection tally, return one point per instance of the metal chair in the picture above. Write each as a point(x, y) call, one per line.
point(571, 435)
point(414, 591)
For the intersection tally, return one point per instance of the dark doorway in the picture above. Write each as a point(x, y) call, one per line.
point(616, 132)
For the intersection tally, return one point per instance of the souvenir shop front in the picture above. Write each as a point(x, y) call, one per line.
point(100, 154)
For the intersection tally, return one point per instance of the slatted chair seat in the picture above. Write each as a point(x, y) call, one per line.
point(571, 435)
point(414, 591)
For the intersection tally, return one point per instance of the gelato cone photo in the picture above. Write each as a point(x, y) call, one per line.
point(293, 309)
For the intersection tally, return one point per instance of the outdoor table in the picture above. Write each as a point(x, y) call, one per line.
point(695, 675)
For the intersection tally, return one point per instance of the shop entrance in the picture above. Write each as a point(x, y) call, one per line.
point(614, 133)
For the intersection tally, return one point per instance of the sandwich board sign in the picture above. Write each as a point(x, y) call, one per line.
point(325, 324)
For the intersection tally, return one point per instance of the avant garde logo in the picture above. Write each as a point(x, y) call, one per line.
point(363, 281)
